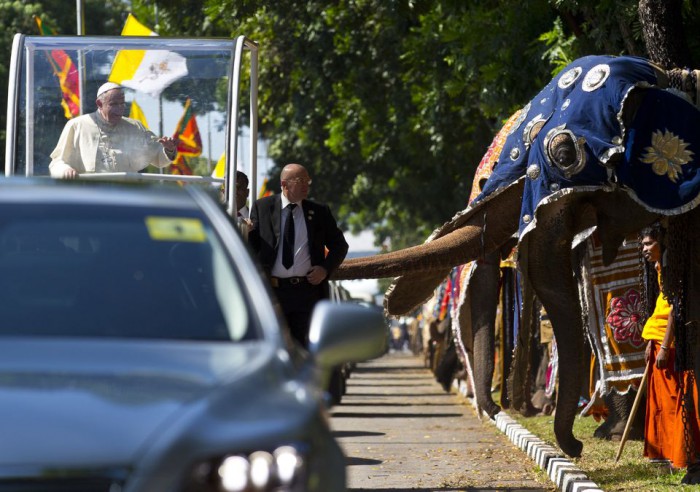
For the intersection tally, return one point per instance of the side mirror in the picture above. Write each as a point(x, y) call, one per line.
point(346, 332)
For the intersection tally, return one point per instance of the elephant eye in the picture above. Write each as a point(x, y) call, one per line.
point(565, 151)
point(562, 150)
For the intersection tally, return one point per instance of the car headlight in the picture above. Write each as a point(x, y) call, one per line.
point(282, 470)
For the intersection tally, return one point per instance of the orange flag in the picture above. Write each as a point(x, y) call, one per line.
point(187, 133)
point(67, 74)
point(263, 190)
point(179, 166)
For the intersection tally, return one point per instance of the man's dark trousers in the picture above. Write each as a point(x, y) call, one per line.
point(297, 302)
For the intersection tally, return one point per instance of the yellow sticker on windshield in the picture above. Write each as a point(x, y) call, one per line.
point(175, 229)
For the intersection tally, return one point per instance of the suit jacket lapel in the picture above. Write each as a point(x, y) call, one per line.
point(276, 213)
point(308, 219)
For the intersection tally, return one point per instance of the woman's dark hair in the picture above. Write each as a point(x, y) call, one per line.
point(654, 231)
point(648, 275)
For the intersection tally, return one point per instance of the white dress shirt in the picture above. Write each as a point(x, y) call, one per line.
point(302, 257)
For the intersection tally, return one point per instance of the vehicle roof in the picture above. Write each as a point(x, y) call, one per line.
point(130, 42)
point(43, 190)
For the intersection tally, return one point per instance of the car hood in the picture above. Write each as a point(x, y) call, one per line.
point(98, 403)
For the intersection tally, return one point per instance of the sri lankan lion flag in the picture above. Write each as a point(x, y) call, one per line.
point(189, 141)
point(68, 78)
point(187, 133)
point(264, 191)
point(179, 166)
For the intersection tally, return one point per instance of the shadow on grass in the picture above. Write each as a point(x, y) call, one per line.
point(648, 476)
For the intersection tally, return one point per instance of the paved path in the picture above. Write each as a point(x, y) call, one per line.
point(400, 431)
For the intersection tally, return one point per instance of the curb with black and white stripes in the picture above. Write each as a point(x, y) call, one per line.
point(565, 475)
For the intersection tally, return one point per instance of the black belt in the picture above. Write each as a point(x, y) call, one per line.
point(288, 281)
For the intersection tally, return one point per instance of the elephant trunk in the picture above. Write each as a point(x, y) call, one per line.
point(444, 252)
point(468, 236)
point(482, 298)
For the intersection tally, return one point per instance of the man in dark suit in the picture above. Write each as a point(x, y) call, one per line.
point(299, 245)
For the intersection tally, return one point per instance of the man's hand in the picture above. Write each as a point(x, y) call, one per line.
point(69, 173)
point(169, 144)
point(316, 275)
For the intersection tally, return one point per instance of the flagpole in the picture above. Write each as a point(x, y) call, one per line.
point(160, 96)
point(209, 141)
point(80, 14)
point(155, 11)
point(160, 122)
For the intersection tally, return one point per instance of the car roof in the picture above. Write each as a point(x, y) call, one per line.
point(125, 194)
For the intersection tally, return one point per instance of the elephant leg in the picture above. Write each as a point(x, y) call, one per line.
point(483, 299)
point(448, 365)
point(540, 400)
point(547, 262)
point(510, 298)
point(519, 380)
point(603, 430)
point(619, 409)
point(623, 407)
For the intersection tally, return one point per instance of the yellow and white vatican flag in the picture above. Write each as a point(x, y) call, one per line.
point(148, 71)
point(220, 168)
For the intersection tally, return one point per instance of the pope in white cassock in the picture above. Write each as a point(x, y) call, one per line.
point(106, 141)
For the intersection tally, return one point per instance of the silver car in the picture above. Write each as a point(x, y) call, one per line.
point(141, 350)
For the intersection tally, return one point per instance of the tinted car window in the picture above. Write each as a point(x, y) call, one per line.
point(123, 272)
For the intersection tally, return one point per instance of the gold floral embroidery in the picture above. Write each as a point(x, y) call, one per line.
point(667, 154)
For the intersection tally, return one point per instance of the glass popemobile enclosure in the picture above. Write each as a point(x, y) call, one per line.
point(191, 91)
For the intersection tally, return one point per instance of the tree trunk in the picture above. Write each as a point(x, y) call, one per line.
point(662, 29)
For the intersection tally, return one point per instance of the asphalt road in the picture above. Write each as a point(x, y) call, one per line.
point(401, 431)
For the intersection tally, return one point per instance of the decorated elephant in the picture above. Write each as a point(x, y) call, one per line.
point(610, 144)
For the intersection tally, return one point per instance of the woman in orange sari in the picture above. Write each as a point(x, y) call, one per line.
point(664, 436)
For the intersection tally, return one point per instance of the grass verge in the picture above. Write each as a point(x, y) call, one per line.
point(631, 472)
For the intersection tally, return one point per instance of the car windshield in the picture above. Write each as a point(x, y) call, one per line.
point(117, 271)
